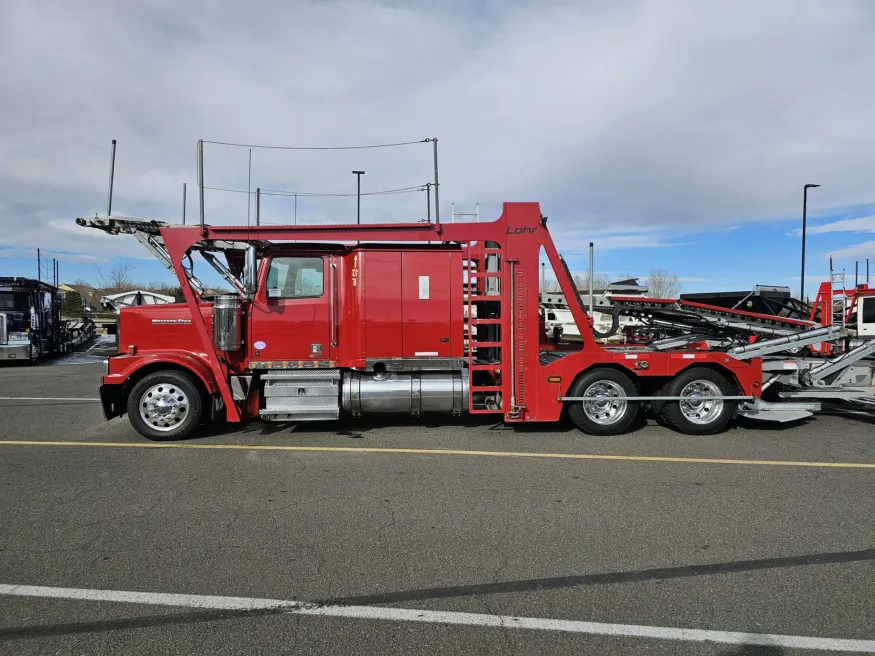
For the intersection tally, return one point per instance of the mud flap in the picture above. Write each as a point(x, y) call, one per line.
point(112, 398)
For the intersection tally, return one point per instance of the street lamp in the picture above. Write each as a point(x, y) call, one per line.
point(358, 196)
point(804, 213)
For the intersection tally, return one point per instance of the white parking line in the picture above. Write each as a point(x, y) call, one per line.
point(441, 617)
point(44, 398)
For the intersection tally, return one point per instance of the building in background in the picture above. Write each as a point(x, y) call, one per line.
point(116, 302)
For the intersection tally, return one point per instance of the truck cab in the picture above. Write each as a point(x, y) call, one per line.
point(866, 316)
point(29, 319)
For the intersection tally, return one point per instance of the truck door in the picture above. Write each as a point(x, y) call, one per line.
point(290, 314)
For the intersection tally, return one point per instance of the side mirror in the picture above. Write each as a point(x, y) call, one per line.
point(250, 271)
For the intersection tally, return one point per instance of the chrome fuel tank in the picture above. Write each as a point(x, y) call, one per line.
point(410, 393)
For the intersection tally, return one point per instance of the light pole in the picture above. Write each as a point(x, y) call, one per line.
point(358, 196)
point(804, 214)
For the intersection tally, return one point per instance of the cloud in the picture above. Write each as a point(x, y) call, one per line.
point(60, 255)
point(860, 224)
point(647, 114)
point(858, 252)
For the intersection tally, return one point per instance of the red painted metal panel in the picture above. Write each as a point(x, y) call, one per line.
point(290, 328)
point(422, 340)
point(426, 292)
point(425, 286)
point(122, 367)
point(350, 308)
point(457, 305)
point(156, 327)
point(381, 290)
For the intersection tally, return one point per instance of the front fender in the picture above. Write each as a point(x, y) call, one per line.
point(122, 367)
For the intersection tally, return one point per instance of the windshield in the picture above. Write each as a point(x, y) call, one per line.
point(13, 301)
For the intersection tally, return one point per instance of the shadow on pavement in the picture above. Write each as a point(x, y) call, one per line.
point(637, 576)
point(22, 633)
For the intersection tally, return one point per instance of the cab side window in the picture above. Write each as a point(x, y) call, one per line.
point(295, 277)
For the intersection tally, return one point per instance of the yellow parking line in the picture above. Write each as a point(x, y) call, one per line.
point(442, 452)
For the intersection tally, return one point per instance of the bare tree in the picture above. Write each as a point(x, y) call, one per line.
point(600, 282)
point(117, 279)
point(662, 284)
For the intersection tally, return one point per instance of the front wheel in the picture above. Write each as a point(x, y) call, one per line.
point(604, 410)
point(36, 352)
point(165, 405)
point(700, 412)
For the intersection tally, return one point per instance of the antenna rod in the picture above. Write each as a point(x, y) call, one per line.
point(249, 188)
point(258, 206)
point(591, 258)
point(38, 266)
point(437, 204)
point(55, 272)
point(428, 200)
point(200, 180)
point(856, 274)
point(183, 203)
point(111, 177)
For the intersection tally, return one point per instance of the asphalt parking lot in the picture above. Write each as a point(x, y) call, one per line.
point(279, 540)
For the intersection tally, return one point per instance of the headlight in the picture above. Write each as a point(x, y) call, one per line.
point(18, 337)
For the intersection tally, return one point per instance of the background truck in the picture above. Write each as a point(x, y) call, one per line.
point(434, 318)
point(31, 326)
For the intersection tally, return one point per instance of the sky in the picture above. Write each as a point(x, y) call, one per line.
point(675, 134)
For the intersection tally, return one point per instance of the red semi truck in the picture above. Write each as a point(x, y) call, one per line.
point(421, 318)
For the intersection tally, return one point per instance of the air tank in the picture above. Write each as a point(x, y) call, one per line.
point(227, 323)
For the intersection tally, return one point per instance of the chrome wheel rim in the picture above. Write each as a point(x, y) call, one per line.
point(608, 404)
point(699, 406)
point(163, 406)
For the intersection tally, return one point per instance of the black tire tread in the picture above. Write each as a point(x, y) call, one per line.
point(196, 405)
point(578, 418)
point(668, 411)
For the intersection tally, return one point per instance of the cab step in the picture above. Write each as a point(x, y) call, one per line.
point(301, 395)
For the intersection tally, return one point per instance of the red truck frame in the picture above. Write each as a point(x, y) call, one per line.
point(492, 338)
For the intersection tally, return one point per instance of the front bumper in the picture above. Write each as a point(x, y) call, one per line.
point(14, 352)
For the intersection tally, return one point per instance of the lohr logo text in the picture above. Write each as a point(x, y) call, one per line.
point(525, 230)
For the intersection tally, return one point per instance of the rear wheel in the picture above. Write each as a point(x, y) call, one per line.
point(165, 405)
point(605, 410)
point(699, 413)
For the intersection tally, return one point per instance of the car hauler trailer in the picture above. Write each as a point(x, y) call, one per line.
point(31, 326)
point(431, 318)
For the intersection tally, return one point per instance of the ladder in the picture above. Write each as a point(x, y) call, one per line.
point(475, 214)
point(840, 294)
point(486, 344)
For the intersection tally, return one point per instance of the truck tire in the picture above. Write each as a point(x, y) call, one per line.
point(165, 405)
point(699, 416)
point(607, 413)
point(36, 352)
